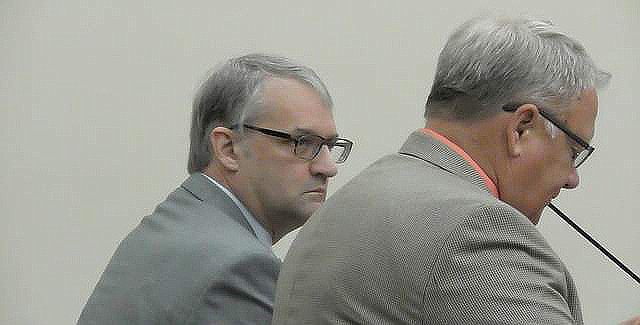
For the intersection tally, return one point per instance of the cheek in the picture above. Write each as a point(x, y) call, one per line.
point(297, 175)
point(531, 163)
point(546, 159)
point(542, 174)
point(532, 176)
point(560, 163)
point(288, 178)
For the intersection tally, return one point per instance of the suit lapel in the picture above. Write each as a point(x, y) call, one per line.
point(434, 152)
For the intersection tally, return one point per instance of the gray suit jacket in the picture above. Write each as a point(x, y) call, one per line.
point(195, 260)
point(417, 238)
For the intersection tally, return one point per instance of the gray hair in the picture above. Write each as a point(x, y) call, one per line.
point(232, 94)
point(491, 62)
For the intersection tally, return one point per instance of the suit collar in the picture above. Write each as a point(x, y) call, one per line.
point(201, 188)
point(263, 235)
point(433, 151)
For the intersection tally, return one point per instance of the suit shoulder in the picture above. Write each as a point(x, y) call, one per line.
point(163, 265)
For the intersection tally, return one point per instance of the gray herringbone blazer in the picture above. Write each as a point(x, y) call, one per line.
point(417, 238)
point(195, 260)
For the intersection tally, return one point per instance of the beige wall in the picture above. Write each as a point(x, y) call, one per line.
point(95, 104)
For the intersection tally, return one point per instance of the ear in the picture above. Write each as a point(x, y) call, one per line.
point(519, 127)
point(222, 144)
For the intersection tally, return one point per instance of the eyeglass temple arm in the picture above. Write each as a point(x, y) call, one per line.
point(594, 243)
point(514, 107)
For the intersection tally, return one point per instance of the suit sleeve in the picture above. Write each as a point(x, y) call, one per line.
point(242, 293)
point(496, 268)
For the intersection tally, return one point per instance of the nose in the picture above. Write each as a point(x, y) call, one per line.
point(573, 180)
point(323, 164)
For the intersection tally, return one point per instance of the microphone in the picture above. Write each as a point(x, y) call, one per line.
point(595, 243)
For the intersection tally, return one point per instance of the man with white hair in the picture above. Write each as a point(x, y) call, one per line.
point(443, 232)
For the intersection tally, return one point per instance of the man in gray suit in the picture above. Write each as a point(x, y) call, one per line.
point(443, 232)
point(263, 146)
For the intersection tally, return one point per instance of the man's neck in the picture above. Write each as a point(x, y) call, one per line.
point(477, 138)
point(224, 180)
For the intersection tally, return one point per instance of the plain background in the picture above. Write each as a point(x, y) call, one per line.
point(95, 104)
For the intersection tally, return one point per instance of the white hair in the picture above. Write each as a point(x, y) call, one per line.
point(491, 62)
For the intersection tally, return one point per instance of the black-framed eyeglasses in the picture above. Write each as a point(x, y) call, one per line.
point(308, 146)
point(579, 156)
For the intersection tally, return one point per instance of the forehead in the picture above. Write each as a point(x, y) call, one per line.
point(582, 113)
point(293, 105)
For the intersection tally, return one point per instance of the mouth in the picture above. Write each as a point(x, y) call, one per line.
point(317, 194)
point(320, 190)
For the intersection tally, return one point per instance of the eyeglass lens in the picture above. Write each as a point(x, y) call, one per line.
point(308, 147)
point(582, 156)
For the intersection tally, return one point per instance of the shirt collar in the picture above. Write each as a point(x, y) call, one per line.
point(457, 149)
point(262, 234)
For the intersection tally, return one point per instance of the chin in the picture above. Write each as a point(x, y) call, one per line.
point(535, 216)
point(529, 210)
point(308, 209)
point(535, 220)
point(312, 209)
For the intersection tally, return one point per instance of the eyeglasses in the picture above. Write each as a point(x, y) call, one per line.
point(578, 155)
point(308, 146)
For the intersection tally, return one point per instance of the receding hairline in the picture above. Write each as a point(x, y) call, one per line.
point(257, 101)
